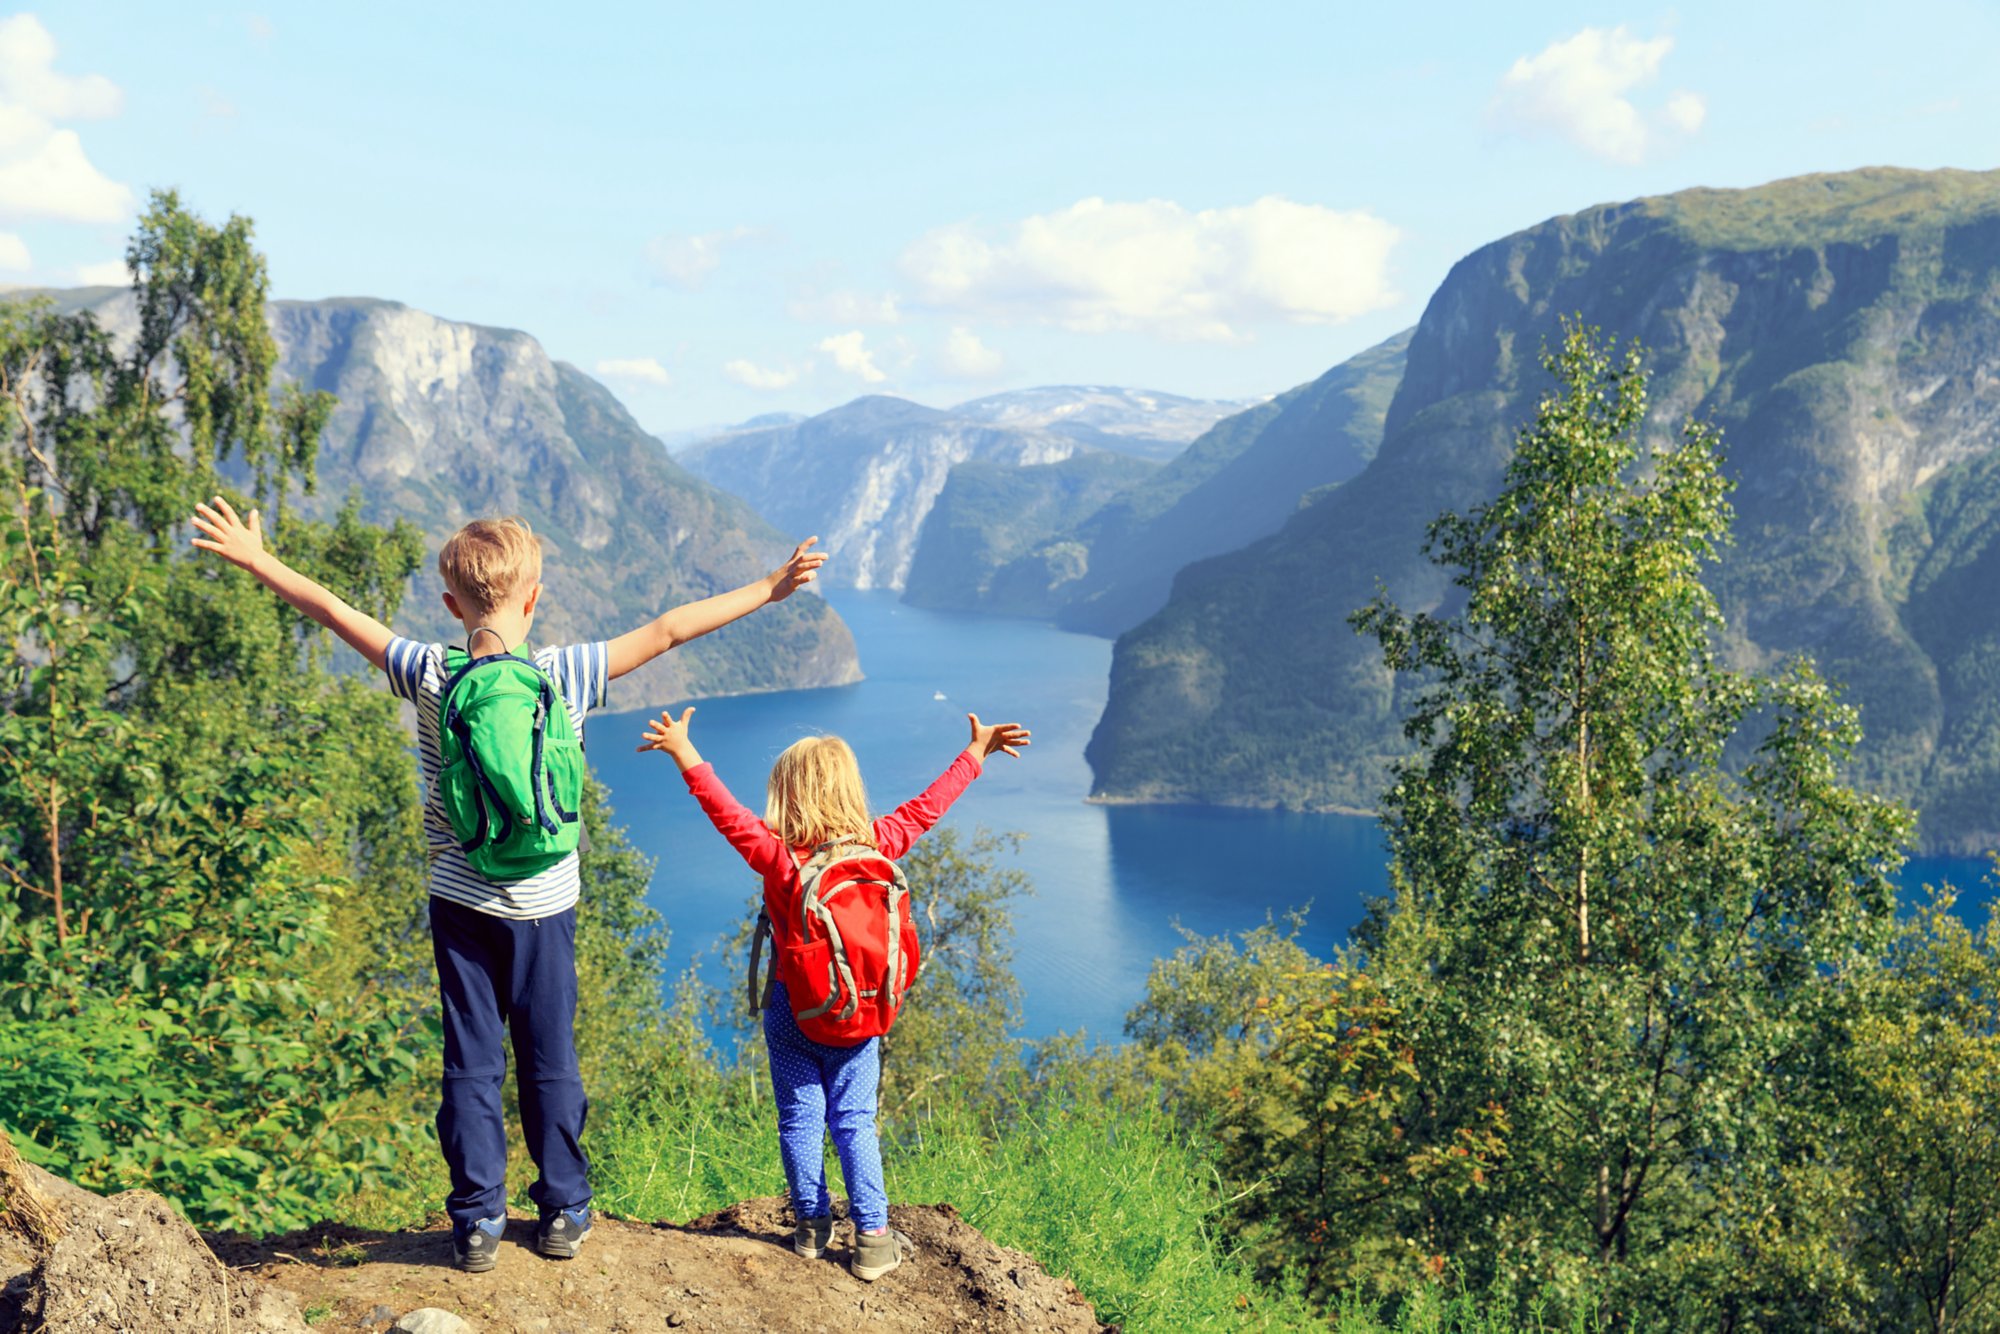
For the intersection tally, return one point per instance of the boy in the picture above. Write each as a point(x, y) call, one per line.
point(505, 951)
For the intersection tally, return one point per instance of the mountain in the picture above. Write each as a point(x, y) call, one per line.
point(1235, 484)
point(997, 537)
point(863, 476)
point(440, 422)
point(1843, 330)
point(1140, 422)
point(675, 441)
point(1096, 547)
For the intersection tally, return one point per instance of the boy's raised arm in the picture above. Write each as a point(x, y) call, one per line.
point(242, 545)
point(636, 648)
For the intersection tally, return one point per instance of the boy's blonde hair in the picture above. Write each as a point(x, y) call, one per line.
point(815, 795)
point(489, 561)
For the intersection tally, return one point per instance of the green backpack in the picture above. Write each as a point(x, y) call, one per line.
point(513, 771)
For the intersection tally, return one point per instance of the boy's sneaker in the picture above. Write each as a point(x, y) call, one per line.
point(475, 1246)
point(812, 1236)
point(875, 1254)
point(560, 1234)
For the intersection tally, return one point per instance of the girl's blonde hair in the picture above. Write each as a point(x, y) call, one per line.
point(815, 795)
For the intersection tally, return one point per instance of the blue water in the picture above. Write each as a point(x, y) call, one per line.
point(1111, 883)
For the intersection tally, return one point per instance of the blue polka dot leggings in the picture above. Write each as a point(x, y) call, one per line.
point(820, 1088)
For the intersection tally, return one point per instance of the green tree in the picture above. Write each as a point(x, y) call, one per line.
point(208, 910)
point(1922, 1141)
point(1634, 953)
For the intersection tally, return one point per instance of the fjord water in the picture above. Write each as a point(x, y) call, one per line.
point(1110, 882)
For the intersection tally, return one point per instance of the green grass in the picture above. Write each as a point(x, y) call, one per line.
point(1118, 1201)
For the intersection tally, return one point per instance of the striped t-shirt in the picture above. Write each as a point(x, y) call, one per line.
point(416, 673)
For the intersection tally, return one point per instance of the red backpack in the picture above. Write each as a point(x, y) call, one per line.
point(847, 947)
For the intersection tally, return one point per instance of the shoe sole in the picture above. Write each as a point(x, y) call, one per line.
point(868, 1275)
point(809, 1252)
point(564, 1248)
point(475, 1264)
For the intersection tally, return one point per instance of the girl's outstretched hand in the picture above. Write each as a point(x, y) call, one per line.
point(989, 737)
point(671, 735)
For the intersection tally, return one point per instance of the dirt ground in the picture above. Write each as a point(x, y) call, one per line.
point(129, 1263)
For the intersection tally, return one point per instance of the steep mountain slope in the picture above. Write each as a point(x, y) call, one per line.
point(440, 422)
point(1235, 484)
point(1843, 330)
point(997, 539)
point(1035, 546)
point(1141, 422)
point(863, 476)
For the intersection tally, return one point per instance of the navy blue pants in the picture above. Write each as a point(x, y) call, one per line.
point(497, 977)
point(820, 1089)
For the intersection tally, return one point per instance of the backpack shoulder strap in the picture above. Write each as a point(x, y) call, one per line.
point(760, 1001)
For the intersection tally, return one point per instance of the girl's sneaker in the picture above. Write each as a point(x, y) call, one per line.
point(875, 1254)
point(811, 1237)
point(560, 1234)
point(475, 1246)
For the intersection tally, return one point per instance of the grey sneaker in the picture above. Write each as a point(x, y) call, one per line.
point(811, 1237)
point(560, 1234)
point(875, 1254)
point(475, 1246)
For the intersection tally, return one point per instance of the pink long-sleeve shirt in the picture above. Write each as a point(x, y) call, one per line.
point(770, 858)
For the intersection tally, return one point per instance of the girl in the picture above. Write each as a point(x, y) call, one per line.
point(815, 797)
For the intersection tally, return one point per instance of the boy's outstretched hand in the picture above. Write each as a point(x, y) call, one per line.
point(797, 572)
point(672, 736)
point(989, 737)
point(227, 536)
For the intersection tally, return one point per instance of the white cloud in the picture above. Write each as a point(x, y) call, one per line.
point(850, 355)
point(845, 308)
point(759, 377)
point(29, 81)
point(1686, 111)
point(644, 370)
point(14, 252)
point(685, 261)
point(260, 29)
point(965, 357)
point(104, 273)
point(43, 170)
point(1160, 267)
point(215, 105)
point(1578, 87)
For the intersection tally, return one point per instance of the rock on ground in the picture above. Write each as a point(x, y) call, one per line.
point(132, 1263)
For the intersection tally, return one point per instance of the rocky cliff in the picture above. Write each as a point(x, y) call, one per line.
point(1843, 330)
point(439, 422)
point(863, 476)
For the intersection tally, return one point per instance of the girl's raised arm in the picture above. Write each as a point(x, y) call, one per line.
point(750, 836)
point(896, 831)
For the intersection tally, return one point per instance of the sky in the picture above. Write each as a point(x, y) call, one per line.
point(723, 211)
